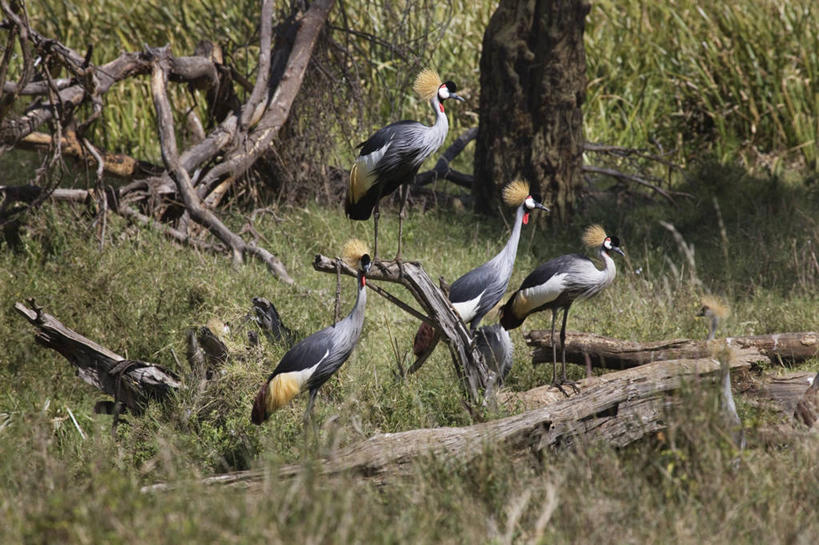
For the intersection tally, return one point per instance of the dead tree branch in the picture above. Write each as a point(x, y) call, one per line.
point(131, 382)
point(442, 169)
point(476, 378)
point(611, 353)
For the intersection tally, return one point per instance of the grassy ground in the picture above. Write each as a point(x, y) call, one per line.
point(140, 294)
point(708, 81)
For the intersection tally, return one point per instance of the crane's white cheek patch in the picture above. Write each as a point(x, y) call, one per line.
point(467, 309)
point(536, 296)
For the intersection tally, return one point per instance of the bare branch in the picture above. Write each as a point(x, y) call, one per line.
point(170, 156)
point(442, 170)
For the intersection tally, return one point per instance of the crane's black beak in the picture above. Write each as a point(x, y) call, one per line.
point(457, 97)
point(619, 251)
point(541, 207)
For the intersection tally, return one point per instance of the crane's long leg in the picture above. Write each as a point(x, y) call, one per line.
point(554, 348)
point(309, 410)
point(376, 214)
point(571, 383)
point(404, 197)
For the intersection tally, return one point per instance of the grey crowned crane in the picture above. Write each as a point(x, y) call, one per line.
point(715, 310)
point(560, 282)
point(312, 361)
point(391, 157)
point(494, 343)
point(478, 291)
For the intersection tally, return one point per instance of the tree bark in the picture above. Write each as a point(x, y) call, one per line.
point(610, 353)
point(477, 380)
point(130, 382)
point(533, 83)
point(619, 408)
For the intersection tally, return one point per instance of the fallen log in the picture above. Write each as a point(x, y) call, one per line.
point(130, 382)
point(618, 408)
point(611, 353)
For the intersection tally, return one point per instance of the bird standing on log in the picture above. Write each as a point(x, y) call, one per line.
point(312, 361)
point(560, 282)
point(478, 291)
point(391, 157)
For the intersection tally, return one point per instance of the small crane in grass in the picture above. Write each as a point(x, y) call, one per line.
point(313, 360)
point(716, 310)
point(478, 291)
point(391, 157)
point(557, 284)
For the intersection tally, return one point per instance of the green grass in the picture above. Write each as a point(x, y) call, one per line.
point(733, 84)
point(140, 294)
point(735, 80)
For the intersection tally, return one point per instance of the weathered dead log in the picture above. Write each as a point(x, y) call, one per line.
point(618, 408)
point(807, 408)
point(475, 376)
point(611, 353)
point(131, 382)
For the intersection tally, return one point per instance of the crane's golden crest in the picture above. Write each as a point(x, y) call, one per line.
point(427, 83)
point(594, 236)
point(352, 251)
point(515, 193)
point(716, 305)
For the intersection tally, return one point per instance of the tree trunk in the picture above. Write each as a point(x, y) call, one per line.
point(533, 82)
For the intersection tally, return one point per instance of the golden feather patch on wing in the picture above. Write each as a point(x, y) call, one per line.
point(515, 193)
point(281, 390)
point(520, 305)
point(716, 305)
point(358, 184)
point(594, 236)
point(427, 83)
point(352, 251)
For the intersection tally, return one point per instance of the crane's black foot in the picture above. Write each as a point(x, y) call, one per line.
point(570, 383)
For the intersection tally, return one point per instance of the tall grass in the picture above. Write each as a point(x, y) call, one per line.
point(730, 79)
point(141, 293)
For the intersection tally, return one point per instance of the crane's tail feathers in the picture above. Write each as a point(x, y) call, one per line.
point(274, 394)
point(424, 339)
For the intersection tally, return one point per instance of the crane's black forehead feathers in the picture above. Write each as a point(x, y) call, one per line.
point(537, 198)
point(451, 87)
point(615, 241)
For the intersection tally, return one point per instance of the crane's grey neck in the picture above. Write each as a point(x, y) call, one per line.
point(441, 122)
point(353, 322)
point(713, 328)
point(610, 269)
point(505, 260)
point(728, 406)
